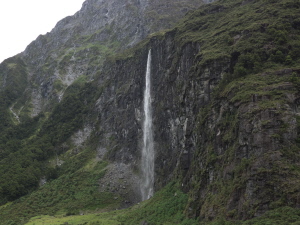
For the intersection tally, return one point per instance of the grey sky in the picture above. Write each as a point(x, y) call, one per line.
point(21, 21)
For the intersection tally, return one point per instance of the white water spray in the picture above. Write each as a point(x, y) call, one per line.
point(147, 161)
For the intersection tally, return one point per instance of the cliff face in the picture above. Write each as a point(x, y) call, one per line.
point(247, 146)
point(55, 65)
point(233, 143)
point(225, 98)
point(234, 153)
point(79, 44)
point(176, 100)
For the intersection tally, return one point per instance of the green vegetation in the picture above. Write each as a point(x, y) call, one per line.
point(63, 199)
point(254, 35)
point(27, 145)
point(14, 79)
point(233, 166)
point(74, 192)
point(166, 207)
point(258, 40)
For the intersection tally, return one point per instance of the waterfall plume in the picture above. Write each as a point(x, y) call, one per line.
point(147, 160)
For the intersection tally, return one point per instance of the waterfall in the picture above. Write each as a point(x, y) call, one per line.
point(147, 160)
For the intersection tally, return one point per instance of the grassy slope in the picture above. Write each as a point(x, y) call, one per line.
point(165, 208)
point(226, 27)
point(74, 192)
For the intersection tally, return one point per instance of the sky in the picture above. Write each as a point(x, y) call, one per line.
point(22, 21)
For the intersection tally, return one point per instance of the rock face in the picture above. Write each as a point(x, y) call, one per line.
point(243, 137)
point(229, 148)
point(78, 44)
point(243, 152)
point(77, 47)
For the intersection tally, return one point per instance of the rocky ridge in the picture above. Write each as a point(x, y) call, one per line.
point(79, 44)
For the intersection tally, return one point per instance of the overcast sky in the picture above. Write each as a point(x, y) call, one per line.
point(22, 21)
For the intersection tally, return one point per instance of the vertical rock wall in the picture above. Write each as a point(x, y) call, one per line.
point(180, 89)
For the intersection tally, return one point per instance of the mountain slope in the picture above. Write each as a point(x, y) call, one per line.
point(79, 44)
point(55, 67)
point(226, 126)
